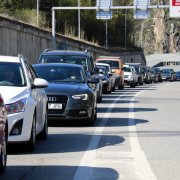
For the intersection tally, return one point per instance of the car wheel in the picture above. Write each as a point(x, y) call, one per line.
point(93, 118)
point(44, 134)
point(113, 88)
point(3, 153)
point(32, 142)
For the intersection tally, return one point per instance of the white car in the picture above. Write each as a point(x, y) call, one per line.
point(130, 76)
point(108, 67)
point(25, 100)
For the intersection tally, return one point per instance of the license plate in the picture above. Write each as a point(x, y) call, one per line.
point(54, 106)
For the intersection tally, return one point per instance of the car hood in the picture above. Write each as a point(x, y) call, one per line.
point(127, 73)
point(12, 94)
point(67, 88)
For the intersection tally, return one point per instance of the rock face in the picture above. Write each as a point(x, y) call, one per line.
point(164, 36)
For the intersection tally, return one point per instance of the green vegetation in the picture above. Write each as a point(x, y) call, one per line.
point(67, 20)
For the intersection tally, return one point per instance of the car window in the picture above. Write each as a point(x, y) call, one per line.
point(11, 74)
point(30, 73)
point(127, 69)
point(60, 73)
point(113, 64)
point(70, 59)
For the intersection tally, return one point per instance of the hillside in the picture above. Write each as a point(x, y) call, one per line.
point(159, 33)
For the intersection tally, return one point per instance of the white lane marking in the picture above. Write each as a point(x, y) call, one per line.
point(84, 170)
point(143, 168)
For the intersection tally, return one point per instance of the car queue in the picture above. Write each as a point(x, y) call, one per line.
point(63, 85)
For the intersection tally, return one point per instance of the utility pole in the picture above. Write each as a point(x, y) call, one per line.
point(79, 20)
point(37, 13)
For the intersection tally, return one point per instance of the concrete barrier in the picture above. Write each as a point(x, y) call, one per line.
point(17, 37)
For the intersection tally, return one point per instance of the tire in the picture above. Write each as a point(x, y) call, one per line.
point(44, 134)
point(3, 153)
point(91, 121)
point(113, 88)
point(32, 142)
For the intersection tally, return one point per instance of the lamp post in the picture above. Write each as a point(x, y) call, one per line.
point(37, 23)
point(79, 20)
point(125, 27)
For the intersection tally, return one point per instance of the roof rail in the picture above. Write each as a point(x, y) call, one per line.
point(20, 56)
point(46, 50)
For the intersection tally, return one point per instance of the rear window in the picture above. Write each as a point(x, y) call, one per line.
point(113, 64)
point(70, 59)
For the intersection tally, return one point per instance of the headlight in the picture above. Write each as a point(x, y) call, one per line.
point(16, 107)
point(83, 97)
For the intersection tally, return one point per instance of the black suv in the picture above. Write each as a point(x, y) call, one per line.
point(71, 57)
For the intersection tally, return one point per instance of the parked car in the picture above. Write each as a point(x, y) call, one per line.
point(116, 64)
point(70, 57)
point(106, 79)
point(3, 135)
point(138, 69)
point(82, 58)
point(130, 76)
point(156, 74)
point(70, 95)
point(108, 68)
point(168, 74)
point(146, 74)
point(178, 75)
point(25, 100)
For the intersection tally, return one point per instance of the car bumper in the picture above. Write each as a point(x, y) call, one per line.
point(73, 110)
point(23, 122)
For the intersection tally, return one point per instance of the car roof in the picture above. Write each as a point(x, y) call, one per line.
point(57, 64)
point(13, 59)
point(64, 52)
point(102, 64)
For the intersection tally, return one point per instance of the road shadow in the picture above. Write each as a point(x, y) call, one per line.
point(65, 143)
point(53, 172)
point(118, 122)
point(109, 101)
point(125, 110)
point(115, 96)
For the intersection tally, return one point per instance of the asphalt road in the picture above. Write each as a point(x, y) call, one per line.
point(136, 137)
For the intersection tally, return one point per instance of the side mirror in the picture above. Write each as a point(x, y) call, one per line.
point(40, 83)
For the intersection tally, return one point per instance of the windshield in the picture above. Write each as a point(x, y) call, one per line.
point(166, 71)
point(11, 74)
point(127, 69)
point(102, 70)
point(113, 64)
point(60, 73)
point(70, 59)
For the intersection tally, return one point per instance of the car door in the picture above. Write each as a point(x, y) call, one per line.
point(39, 96)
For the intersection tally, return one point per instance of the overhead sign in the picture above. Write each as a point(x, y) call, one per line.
point(174, 9)
point(104, 11)
point(141, 10)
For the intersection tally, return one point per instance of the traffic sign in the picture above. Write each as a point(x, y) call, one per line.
point(174, 11)
point(141, 10)
point(104, 11)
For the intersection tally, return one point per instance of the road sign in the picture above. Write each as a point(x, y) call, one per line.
point(174, 11)
point(104, 11)
point(141, 10)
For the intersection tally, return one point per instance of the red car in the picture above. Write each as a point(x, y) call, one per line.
point(3, 136)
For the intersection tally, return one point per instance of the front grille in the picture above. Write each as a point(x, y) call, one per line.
point(57, 99)
point(77, 113)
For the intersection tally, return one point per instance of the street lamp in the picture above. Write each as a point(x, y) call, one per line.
point(37, 23)
point(142, 28)
point(125, 30)
point(79, 20)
